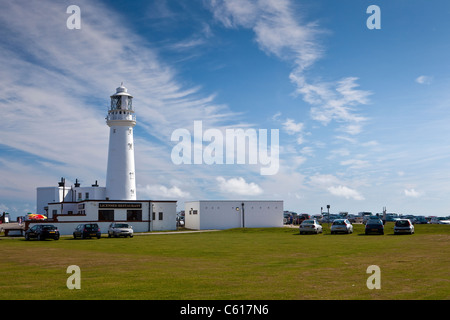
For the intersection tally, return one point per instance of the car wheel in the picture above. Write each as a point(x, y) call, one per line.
point(39, 237)
point(27, 237)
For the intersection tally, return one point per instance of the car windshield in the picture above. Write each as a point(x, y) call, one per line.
point(402, 223)
point(48, 227)
point(308, 222)
point(91, 226)
point(374, 222)
point(338, 222)
point(121, 225)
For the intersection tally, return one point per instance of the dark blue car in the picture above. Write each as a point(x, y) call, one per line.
point(374, 226)
point(87, 230)
point(42, 232)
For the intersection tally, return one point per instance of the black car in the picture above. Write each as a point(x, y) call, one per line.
point(87, 230)
point(42, 232)
point(374, 226)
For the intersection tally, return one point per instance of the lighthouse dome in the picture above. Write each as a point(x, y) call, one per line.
point(122, 91)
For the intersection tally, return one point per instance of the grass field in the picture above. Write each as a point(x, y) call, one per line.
point(256, 264)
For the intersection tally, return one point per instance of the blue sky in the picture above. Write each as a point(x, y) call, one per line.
point(362, 114)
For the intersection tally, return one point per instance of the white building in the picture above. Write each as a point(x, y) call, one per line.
point(226, 214)
point(67, 206)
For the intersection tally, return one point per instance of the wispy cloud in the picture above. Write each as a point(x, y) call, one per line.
point(280, 30)
point(58, 87)
point(424, 79)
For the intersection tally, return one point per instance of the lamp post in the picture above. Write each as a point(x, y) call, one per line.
point(328, 209)
point(243, 216)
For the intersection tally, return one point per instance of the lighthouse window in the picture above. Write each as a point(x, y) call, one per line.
point(116, 103)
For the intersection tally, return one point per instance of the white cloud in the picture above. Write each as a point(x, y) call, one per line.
point(343, 191)
point(165, 192)
point(238, 186)
point(424, 80)
point(412, 193)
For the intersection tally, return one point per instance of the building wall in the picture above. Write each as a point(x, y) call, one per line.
point(113, 211)
point(46, 195)
point(232, 214)
point(191, 215)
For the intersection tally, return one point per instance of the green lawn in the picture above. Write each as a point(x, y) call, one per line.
point(233, 264)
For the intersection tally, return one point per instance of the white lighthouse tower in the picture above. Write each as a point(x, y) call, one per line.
point(120, 175)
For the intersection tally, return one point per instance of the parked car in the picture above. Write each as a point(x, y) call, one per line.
point(403, 226)
point(310, 226)
point(302, 217)
point(341, 225)
point(42, 232)
point(87, 230)
point(120, 230)
point(421, 220)
point(374, 226)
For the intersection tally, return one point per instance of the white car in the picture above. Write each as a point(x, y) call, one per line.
point(403, 226)
point(119, 229)
point(341, 225)
point(310, 226)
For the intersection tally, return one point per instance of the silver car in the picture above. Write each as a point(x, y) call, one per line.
point(310, 226)
point(119, 229)
point(341, 225)
point(403, 226)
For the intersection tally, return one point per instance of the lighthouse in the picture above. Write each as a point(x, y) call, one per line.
point(120, 175)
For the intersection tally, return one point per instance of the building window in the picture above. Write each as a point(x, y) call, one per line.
point(87, 196)
point(160, 215)
point(105, 215)
point(194, 212)
point(153, 215)
point(134, 215)
point(79, 195)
